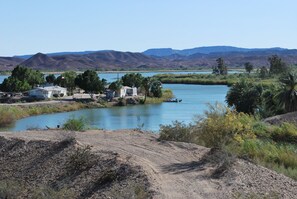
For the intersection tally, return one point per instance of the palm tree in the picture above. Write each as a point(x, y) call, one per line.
point(146, 84)
point(287, 94)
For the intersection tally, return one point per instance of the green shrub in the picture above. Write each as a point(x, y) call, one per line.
point(285, 133)
point(223, 126)
point(178, 131)
point(74, 124)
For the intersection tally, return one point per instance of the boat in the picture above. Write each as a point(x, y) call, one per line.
point(173, 100)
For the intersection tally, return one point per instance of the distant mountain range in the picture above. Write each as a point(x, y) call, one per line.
point(162, 58)
point(162, 52)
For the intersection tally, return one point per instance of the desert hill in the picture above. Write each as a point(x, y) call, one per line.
point(202, 57)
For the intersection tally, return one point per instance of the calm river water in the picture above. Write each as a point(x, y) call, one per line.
point(149, 117)
point(195, 99)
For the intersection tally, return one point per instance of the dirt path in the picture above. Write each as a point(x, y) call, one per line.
point(178, 170)
point(171, 167)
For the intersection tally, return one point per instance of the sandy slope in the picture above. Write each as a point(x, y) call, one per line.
point(175, 170)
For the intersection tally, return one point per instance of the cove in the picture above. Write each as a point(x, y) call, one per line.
point(149, 117)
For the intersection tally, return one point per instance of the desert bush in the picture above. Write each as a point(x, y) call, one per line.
point(6, 117)
point(79, 160)
point(75, 124)
point(221, 126)
point(219, 130)
point(177, 131)
point(10, 189)
point(13, 189)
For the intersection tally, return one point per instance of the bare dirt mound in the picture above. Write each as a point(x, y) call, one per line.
point(175, 170)
point(45, 169)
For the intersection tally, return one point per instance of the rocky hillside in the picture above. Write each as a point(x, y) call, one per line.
point(203, 57)
point(127, 164)
point(109, 60)
point(7, 63)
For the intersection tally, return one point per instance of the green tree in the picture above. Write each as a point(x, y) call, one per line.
point(156, 88)
point(90, 82)
point(244, 96)
point(132, 80)
point(270, 105)
point(277, 66)
point(50, 78)
point(146, 85)
point(115, 86)
point(12, 84)
point(287, 94)
point(67, 80)
point(22, 79)
point(248, 67)
point(33, 77)
point(221, 68)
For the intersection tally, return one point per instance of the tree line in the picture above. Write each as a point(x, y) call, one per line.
point(273, 99)
point(23, 79)
point(277, 66)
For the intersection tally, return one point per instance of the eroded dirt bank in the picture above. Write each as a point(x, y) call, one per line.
point(131, 164)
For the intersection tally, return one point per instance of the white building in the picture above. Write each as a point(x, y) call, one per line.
point(127, 91)
point(48, 92)
point(124, 91)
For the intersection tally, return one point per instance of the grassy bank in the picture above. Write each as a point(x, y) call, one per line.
point(211, 79)
point(166, 94)
point(243, 136)
point(9, 114)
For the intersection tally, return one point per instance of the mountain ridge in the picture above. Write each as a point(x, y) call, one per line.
point(165, 58)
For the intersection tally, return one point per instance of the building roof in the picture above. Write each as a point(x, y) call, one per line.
point(50, 88)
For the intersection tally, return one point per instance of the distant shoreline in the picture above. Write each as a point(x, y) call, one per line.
point(128, 71)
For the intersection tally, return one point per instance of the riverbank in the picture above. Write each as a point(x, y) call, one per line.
point(212, 79)
point(9, 113)
point(165, 169)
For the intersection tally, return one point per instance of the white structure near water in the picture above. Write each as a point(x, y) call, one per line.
point(48, 92)
point(127, 91)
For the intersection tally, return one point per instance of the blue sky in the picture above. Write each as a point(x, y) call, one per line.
point(31, 26)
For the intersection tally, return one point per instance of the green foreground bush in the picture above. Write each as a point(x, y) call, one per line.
point(242, 135)
point(75, 124)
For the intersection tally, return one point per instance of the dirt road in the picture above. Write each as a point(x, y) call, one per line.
point(176, 170)
point(169, 166)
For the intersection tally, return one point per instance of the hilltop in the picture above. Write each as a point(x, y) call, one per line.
point(132, 164)
point(152, 59)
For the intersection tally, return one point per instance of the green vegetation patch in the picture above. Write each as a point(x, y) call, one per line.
point(242, 135)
